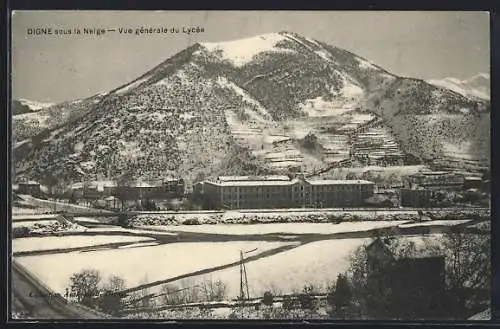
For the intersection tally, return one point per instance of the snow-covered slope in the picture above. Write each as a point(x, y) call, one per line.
point(241, 52)
point(23, 106)
point(477, 86)
point(250, 106)
point(34, 105)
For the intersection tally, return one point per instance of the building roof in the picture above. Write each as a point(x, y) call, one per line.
point(431, 173)
point(253, 178)
point(77, 185)
point(255, 183)
point(289, 182)
point(31, 182)
point(338, 182)
point(473, 178)
point(144, 184)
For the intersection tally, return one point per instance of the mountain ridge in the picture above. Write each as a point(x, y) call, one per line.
point(477, 86)
point(207, 111)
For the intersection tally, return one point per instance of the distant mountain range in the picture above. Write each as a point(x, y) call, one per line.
point(263, 104)
point(23, 106)
point(477, 86)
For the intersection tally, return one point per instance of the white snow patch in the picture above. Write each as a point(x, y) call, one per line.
point(131, 85)
point(365, 64)
point(242, 51)
point(246, 97)
point(141, 244)
point(106, 229)
point(351, 90)
point(33, 223)
point(34, 105)
point(140, 265)
point(130, 149)
point(437, 222)
point(459, 150)
point(464, 87)
point(320, 52)
point(56, 242)
point(317, 263)
point(33, 216)
point(277, 228)
point(187, 115)
point(88, 165)
point(318, 107)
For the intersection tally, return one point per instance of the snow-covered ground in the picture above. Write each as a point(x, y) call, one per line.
point(422, 242)
point(317, 263)
point(86, 220)
point(53, 242)
point(140, 244)
point(32, 223)
point(459, 151)
point(34, 105)
point(34, 217)
point(125, 230)
point(242, 51)
point(477, 86)
point(365, 64)
point(140, 265)
point(318, 107)
point(437, 222)
point(276, 228)
point(222, 81)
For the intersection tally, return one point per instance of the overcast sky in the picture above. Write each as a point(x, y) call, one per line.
point(428, 45)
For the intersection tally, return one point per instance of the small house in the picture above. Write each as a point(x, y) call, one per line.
point(29, 187)
point(471, 182)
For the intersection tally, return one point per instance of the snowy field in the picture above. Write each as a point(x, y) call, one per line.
point(86, 220)
point(28, 211)
point(317, 263)
point(125, 230)
point(277, 228)
point(437, 222)
point(54, 243)
point(34, 217)
point(139, 265)
point(33, 223)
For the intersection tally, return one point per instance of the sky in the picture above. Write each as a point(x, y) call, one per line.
point(56, 68)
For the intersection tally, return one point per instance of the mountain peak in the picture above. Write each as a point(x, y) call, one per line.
point(477, 86)
point(242, 51)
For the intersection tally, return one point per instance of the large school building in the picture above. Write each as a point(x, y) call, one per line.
point(245, 192)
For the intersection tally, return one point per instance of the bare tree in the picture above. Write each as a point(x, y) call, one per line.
point(467, 269)
point(84, 286)
point(214, 290)
point(115, 283)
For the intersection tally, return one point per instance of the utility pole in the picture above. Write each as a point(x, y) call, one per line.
point(244, 291)
point(241, 276)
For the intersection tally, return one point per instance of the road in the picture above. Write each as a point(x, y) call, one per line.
point(30, 296)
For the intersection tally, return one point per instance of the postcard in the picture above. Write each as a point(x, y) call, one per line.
point(234, 165)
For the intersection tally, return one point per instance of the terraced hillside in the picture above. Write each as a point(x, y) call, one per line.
point(270, 103)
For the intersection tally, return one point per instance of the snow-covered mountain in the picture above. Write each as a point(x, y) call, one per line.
point(257, 105)
point(22, 106)
point(477, 86)
point(34, 105)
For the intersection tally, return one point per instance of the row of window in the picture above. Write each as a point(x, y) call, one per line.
point(281, 189)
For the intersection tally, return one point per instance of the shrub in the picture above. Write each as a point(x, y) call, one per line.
point(268, 298)
point(191, 221)
point(20, 232)
point(288, 303)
